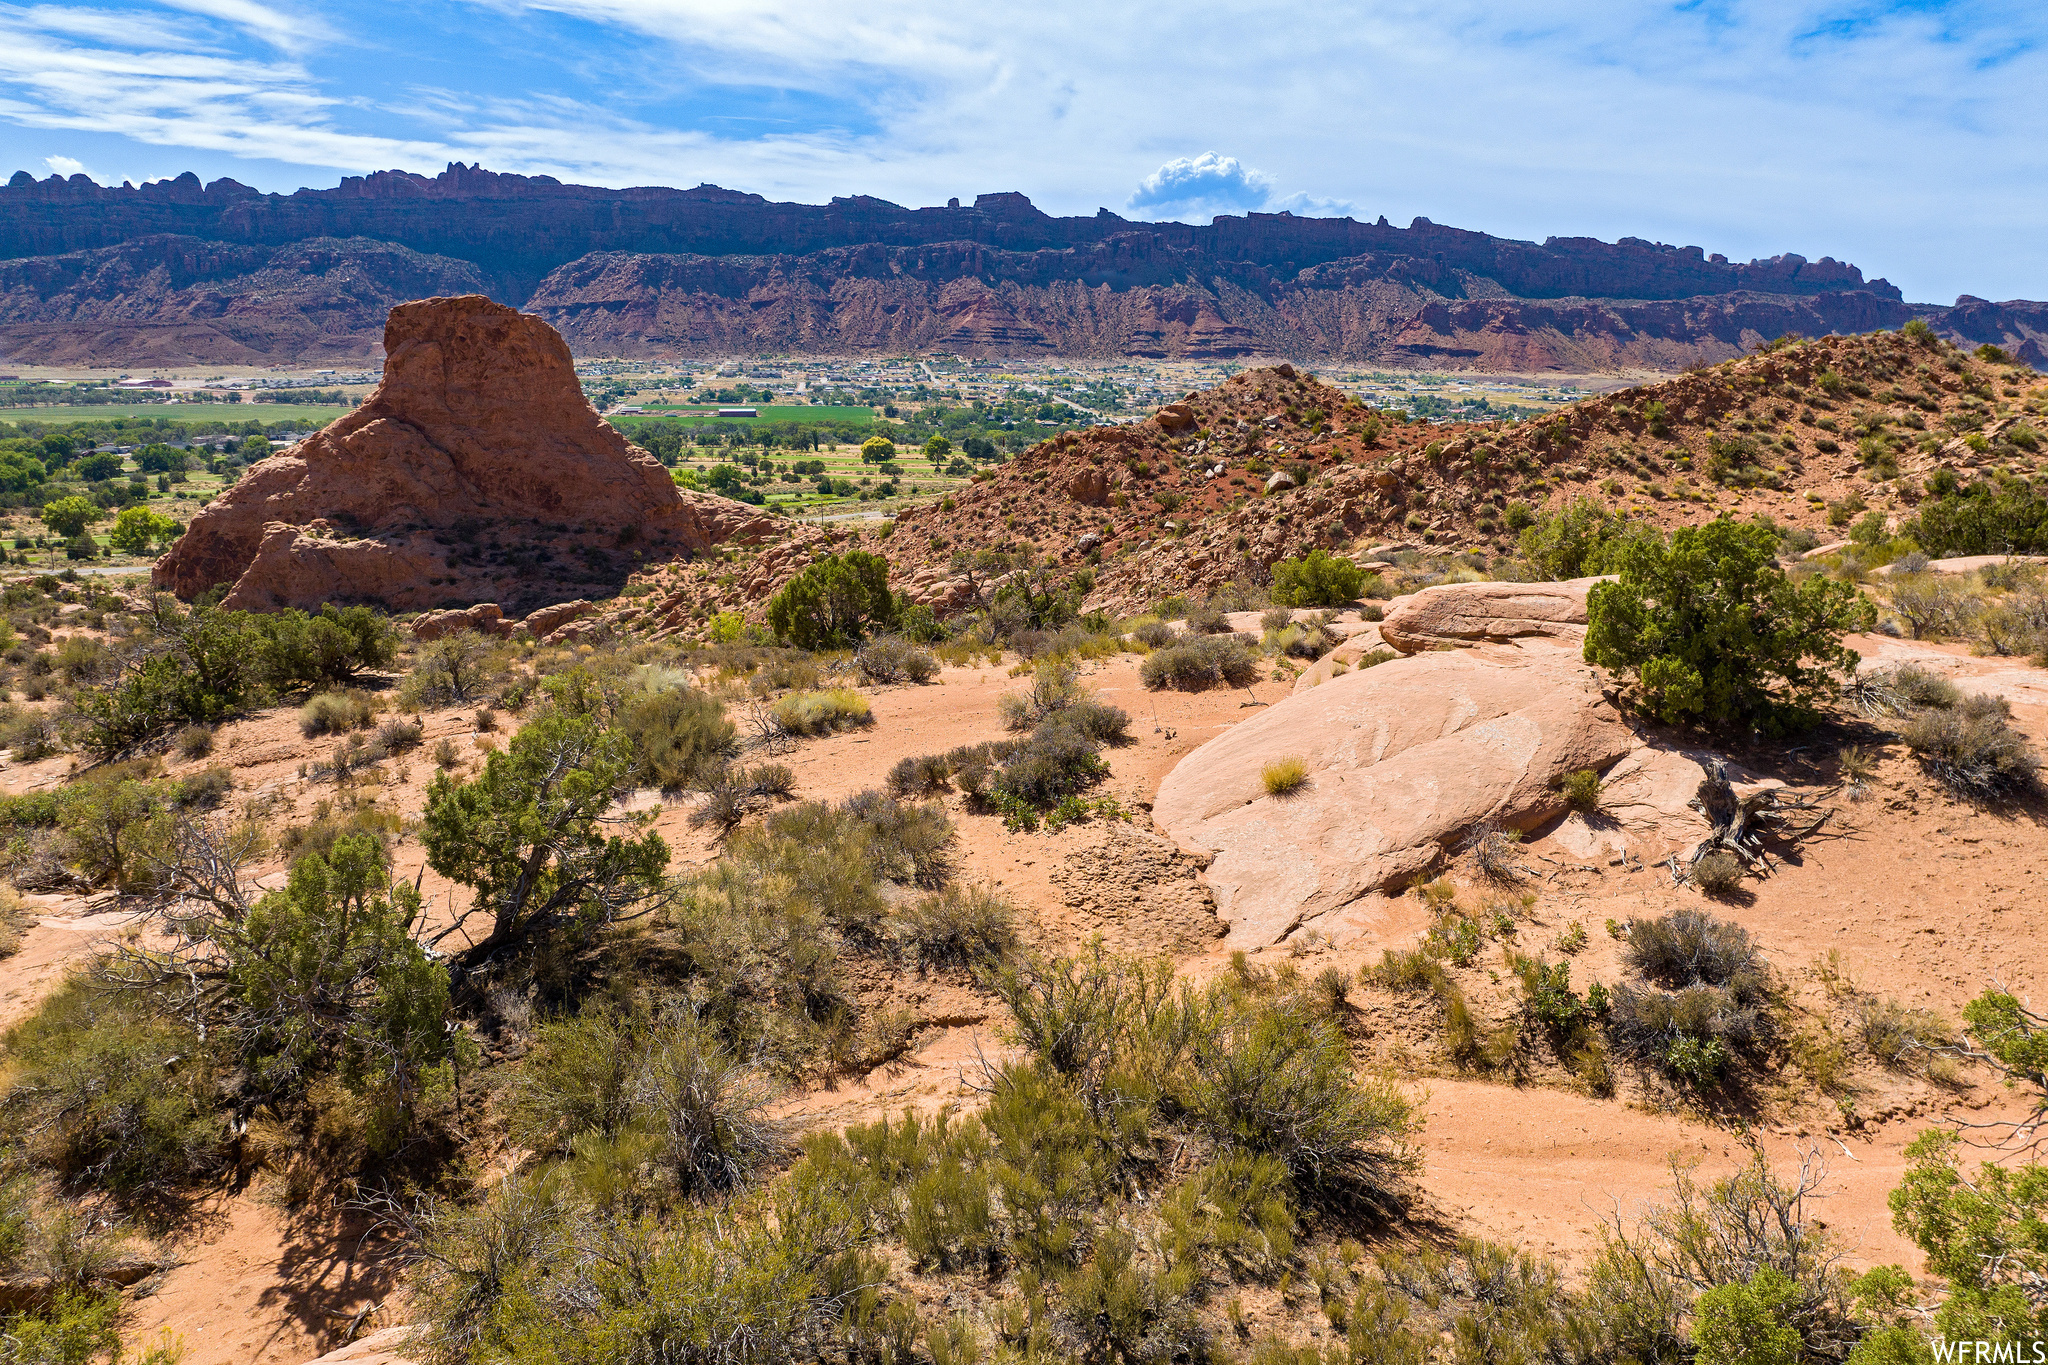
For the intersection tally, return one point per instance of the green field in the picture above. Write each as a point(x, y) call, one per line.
point(697, 414)
point(312, 414)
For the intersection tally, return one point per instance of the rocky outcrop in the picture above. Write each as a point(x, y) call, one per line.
point(1458, 615)
point(1404, 760)
point(476, 472)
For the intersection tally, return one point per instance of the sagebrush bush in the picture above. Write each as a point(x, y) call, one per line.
point(1154, 634)
point(1718, 872)
point(910, 843)
point(821, 713)
point(678, 735)
point(1691, 947)
point(108, 1096)
point(334, 713)
point(195, 741)
point(971, 924)
point(1973, 748)
point(891, 659)
point(1207, 618)
point(924, 775)
point(1199, 664)
point(1057, 761)
point(1895, 1034)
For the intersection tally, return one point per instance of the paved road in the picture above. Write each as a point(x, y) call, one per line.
point(95, 570)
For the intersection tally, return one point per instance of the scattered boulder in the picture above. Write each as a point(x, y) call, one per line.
point(548, 619)
point(1278, 480)
point(484, 617)
point(477, 472)
point(1089, 487)
point(1465, 614)
point(1175, 416)
point(1404, 760)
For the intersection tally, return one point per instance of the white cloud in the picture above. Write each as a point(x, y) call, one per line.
point(64, 166)
point(286, 31)
point(1196, 188)
point(1746, 127)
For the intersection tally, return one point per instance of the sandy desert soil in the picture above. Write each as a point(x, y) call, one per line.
point(1918, 896)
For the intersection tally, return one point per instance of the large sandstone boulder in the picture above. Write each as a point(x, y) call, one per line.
point(477, 471)
point(1404, 760)
point(1462, 614)
point(389, 1346)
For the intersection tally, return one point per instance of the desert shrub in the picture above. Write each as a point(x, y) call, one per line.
point(1057, 761)
point(535, 835)
point(397, 736)
point(1493, 852)
point(970, 925)
point(835, 602)
point(1271, 1080)
point(1689, 947)
point(453, 670)
point(578, 1078)
point(30, 735)
point(1266, 1077)
point(1582, 538)
point(1099, 721)
point(1934, 605)
point(195, 741)
point(1972, 747)
point(1738, 1270)
point(1893, 1033)
point(1320, 580)
point(1283, 775)
point(1897, 691)
point(910, 843)
point(334, 713)
point(890, 659)
point(1410, 969)
point(821, 713)
point(678, 735)
point(1715, 1008)
point(1718, 872)
point(1581, 789)
point(1984, 518)
point(1200, 664)
point(1207, 618)
point(108, 1095)
point(926, 775)
point(1710, 629)
point(973, 764)
point(705, 1108)
point(1154, 634)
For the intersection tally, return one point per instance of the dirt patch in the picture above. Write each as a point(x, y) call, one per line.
point(1137, 890)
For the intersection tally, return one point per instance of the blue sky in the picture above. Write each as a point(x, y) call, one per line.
point(1907, 138)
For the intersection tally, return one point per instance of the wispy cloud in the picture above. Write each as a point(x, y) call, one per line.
point(64, 166)
point(1848, 127)
point(281, 29)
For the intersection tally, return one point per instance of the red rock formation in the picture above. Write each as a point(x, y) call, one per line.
point(476, 472)
point(179, 300)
